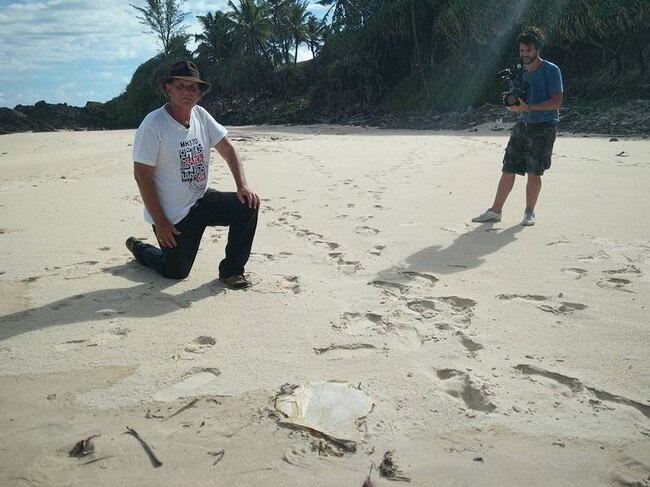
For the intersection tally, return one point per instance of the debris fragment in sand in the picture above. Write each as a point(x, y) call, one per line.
point(390, 470)
point(218, 455)
point(83, 448)
point(150, 415)
point(331, 409)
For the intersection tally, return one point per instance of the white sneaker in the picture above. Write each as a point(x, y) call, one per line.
point(529, 218)
point(489, 216)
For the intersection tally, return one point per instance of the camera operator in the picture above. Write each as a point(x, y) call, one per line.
point(531, 143)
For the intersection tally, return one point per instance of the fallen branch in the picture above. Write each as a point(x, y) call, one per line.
point(152, 456)
point(187, 406)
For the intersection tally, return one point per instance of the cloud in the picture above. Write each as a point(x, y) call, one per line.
point(65, 40)
point(62, 30)
point(97, 44)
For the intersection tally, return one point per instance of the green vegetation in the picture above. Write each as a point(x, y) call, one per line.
point(391, 54)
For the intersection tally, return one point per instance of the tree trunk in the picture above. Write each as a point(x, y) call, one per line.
point(417, 51)
point(638, 51)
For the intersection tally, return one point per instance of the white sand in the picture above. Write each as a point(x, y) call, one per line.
point(494, 354)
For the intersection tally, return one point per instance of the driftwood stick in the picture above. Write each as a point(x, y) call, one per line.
point(187, 406)
point(152, 456)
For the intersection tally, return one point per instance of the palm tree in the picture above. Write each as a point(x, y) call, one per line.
point(252, 24)
point(298, 17)
point(281, 37)
point(315, 30)
point(215, 43)
point(339, 10)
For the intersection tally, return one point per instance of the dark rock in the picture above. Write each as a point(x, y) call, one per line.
point(15, 121)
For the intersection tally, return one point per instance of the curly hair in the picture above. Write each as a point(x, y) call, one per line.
point(532, 36)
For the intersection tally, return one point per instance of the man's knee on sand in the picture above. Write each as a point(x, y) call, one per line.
point(177, 273)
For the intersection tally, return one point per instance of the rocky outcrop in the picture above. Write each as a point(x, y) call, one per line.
point(44, 117)
point(15, 121)
point(630, 118)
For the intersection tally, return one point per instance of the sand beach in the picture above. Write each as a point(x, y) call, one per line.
point(380, 320)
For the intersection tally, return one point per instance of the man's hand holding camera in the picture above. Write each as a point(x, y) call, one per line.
point(522, 106)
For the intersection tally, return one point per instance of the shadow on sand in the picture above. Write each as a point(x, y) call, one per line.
point(146, 300)
point(466, 252)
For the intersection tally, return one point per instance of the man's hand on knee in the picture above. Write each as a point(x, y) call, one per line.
point(165, 233)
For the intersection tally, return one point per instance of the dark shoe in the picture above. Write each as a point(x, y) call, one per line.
point(235, 282)
point(130, 244)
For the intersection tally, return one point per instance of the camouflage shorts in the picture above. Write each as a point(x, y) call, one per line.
point(529, 148)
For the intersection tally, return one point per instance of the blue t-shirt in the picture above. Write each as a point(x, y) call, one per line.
point(542, 83)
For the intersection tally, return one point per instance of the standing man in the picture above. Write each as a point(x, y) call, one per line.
point(171, 155)
point(531, 143)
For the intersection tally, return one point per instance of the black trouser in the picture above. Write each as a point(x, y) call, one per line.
point(214, 209)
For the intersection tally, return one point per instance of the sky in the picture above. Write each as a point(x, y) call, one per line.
point(74, 51)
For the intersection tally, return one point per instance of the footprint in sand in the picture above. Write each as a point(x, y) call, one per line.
point(290, 283)
point(366, 231)
point(392, 288)
point(619, 279)
point(190, 384)
point(105, 337)
point(377, 250)
point(630, 472)
point(329, 245)
point(572, 386)
point(574, 272)
point(471, 346)
point(200, 345)
point(401, 336)
point(449, 305)
point(601, 255)
point(345, 266)
point(425, 307)
point(616, 284)
point(294, 215)
point(421, 276)
point(562, 307)
point(351, 350)
point(459, 304)
point(459, 385)
point(629, 270)
point(359, 323)
point(70, 301)
point(562, 384)
point(526, 297)
point(262, 257)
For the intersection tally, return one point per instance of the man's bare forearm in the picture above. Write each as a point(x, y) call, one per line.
point(149, 196)
point(229, 153)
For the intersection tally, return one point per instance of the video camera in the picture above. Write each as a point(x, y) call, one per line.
point(515, 86)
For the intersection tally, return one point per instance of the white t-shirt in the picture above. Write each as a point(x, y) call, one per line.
point(181, 156)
